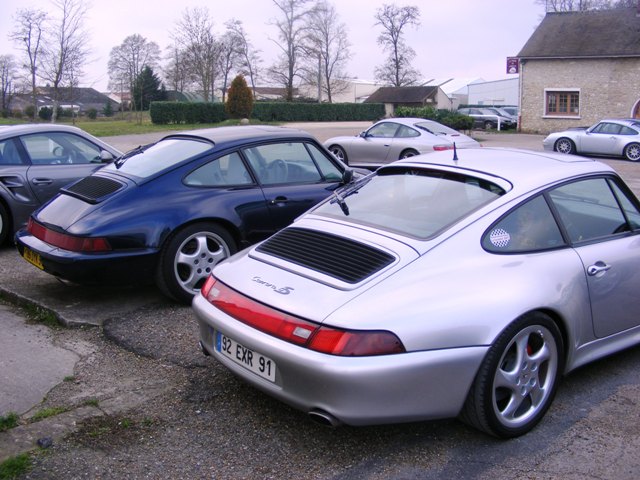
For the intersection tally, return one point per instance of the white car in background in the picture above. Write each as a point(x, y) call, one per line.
point(611, 137)
point(397, 138)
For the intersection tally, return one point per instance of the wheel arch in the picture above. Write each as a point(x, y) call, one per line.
point(408, 149)
point(231, 228)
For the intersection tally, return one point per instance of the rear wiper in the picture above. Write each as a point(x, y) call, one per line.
point(340, 194)
point(134, 151)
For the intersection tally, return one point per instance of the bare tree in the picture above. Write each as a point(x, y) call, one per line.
point(66, 49)
point(328, 46)
point(176, 74)
point(229, 57)
point(8, 75)
point(584, 5)
point(28, 33)
point(249, 61)
point(292, 30)
point(201, 51)
point(397, 70)
point(127, 61)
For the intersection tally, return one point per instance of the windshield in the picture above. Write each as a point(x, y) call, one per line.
point(149, 160)
point(414, 202)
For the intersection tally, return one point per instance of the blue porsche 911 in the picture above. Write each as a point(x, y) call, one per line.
point(169, 211)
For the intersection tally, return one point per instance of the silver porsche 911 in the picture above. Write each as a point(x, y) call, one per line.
point(613, 137)
point(454, 284)
point(396, 138)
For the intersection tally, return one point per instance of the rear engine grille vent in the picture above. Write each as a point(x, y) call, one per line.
point(332, 255)
point(91, 189)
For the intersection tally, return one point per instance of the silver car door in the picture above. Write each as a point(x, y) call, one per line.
point(374, 146)
point(603, 139)
point(608, 243)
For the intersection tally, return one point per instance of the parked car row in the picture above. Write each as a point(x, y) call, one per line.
point(490, 118)
point(349, 293)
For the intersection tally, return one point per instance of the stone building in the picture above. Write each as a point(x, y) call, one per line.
point(580, 67)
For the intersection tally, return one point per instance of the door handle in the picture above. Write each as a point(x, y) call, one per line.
point(42, 181)
point(278, 200)
point(597, 268)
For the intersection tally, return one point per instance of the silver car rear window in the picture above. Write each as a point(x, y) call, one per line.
point(416, 203)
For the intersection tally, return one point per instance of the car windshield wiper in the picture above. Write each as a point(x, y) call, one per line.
point(340, 194)
point(123, 158)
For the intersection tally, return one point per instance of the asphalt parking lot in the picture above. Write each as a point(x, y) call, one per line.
point(135, 398)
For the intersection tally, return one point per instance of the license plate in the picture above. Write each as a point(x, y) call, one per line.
point(249, 359)
point(32, 257)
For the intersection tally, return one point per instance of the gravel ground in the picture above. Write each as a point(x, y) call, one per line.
point(167, 411)
point(198, 420)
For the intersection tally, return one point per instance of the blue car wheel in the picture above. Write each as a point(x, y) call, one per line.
point(189, 256)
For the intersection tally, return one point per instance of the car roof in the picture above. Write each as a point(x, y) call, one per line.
point(525, 170)
point(407, 120)
point(26, 128)
point(626, 121)
point(221, 135)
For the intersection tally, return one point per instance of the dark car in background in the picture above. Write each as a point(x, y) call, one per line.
point(169, 211)
point(36, 161)
point(487, 119)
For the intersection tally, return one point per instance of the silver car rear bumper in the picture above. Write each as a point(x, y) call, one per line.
point(354, 390)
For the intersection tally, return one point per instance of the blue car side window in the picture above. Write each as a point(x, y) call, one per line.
point(228, 170)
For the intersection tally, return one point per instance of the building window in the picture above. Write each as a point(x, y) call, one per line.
point(563, 103)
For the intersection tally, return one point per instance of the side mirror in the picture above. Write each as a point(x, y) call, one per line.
point(105, 156)
point(347, 176)
point(363, 134)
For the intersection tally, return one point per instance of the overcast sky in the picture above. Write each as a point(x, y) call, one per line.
point(457, 38)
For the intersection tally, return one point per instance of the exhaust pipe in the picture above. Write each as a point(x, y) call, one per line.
point(324, 418)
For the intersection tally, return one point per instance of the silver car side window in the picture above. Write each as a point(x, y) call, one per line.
point(530, 227)
point(588, 209)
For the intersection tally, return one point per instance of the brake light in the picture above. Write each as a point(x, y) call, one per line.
point(295, 330)
point(67, 242)
point(440, 148)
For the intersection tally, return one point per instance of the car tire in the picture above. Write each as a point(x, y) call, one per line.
point(632, 152)
point(489, 125)
point(518, 378)
point(5, 224)
point(188, 257)
point(565, 145)
point(407, 154)
point(339, 153)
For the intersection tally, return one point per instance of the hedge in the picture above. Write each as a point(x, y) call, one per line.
point(162, 113)
point(186, 112)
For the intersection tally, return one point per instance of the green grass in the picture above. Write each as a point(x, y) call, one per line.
point(15, 466)
point(8, 421)
point(42, 316)
point(129, 124)
point(48, 412)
